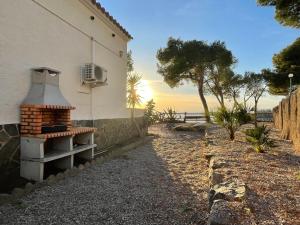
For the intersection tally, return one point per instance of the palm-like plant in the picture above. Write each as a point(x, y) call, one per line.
point(170, 115)
point(259, 138)
point(133, 98)
point(227, 119)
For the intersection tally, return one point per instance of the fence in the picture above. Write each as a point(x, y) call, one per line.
point(264, 116)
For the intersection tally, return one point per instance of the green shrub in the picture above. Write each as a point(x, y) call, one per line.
point(229, 119)
point(169, 115)
point(242, 115)
point(259, 138)
point(150, 113)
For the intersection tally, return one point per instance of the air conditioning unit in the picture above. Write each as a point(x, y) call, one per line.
point(93, 75)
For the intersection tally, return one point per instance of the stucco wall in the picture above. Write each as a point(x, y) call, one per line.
point(287, 118)
point(34, 35)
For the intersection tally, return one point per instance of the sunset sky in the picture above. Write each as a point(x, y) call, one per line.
point(249, 31)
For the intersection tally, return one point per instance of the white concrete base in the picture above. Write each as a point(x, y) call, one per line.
point(35, 153)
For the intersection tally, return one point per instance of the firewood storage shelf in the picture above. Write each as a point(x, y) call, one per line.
point(58, 148)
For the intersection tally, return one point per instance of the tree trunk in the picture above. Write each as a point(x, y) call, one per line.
point(255, 112)
point(231, 134)
point(202, 98)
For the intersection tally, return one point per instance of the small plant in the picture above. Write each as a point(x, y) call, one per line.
point(242, 114)
point(150, 114)
point(259, 138)
point(228, 119)
point(170, 115)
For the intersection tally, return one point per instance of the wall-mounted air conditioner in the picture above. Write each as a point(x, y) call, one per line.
point(93, 75)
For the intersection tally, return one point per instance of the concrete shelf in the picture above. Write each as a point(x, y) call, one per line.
point(60, 151)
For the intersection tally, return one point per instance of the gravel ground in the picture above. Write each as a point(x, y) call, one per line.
point(162, 182)
point(272, 178)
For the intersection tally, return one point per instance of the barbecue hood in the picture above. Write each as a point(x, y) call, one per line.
point(44, 88)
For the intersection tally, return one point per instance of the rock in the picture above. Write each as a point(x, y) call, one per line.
point(29, 187)
point(230, 191)
point(214, 177)
point(5, 198)
point(17, 192)
point(51, 179)
point(222, 214)
point(11, 129)
point(216, 163)
point(60, 176)
point(200, 127)
point(67, 172)
point(87, 164)
point(100, 160)
point(74, 171)
point(81, 167)
point(209, 156)
point(93, 162)
point(3, 136)
point(185, 127)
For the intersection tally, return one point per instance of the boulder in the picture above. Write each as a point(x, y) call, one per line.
point(216, 163)
point(214, 177)
point(29, 187)
point(230, 191)
point(81, 167)
point(17, 192)
point(221, 214)
point(190, 127)
point(51, 179)
point(5, 198)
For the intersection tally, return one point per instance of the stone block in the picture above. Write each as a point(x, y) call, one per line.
point(11, 129)
point(81, 167)
point(17, 192)
point(230, 191)
point(216, 163)
point(3, 136)
point(215, 177)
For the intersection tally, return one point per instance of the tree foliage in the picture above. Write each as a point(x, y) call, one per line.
point(133, 98)
point(234, 85)
point(287, 11)
point(255, 87)
point(150, 114)
point(219, 72)
point(185, 61)
point(208, 66)
point(285, 62)
point(130, 62)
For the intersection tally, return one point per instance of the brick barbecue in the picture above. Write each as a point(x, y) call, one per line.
point(36, 117)
point(45, 110)
point(47, 135)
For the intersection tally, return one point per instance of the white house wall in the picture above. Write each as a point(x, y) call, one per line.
point(34, 35)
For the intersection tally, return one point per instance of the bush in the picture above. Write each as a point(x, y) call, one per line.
point(242, 115)
point(169, 115)
point(229, 119)
point(150, 114)
point(259, 138)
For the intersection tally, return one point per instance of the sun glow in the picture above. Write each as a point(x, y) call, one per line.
point(144, 90)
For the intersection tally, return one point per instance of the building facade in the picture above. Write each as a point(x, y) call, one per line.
point(64, 35)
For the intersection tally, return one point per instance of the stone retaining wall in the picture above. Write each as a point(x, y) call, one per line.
point(110, 132)
point(287, 118)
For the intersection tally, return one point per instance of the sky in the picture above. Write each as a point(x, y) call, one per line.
point(249, 31)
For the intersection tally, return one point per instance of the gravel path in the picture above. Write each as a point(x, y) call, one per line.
point(162, 182)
